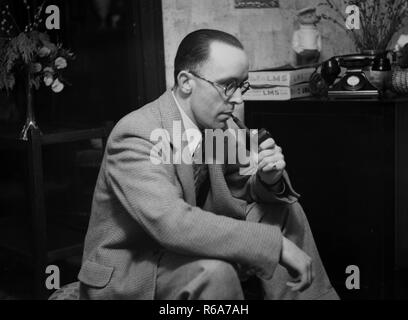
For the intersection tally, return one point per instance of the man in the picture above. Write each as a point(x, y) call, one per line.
point(156, 232)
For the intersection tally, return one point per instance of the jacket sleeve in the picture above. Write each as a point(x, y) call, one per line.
point(150, 195)
point(250, 189)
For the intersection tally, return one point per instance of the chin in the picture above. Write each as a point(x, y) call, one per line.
point(223, 125)
point(217, 125)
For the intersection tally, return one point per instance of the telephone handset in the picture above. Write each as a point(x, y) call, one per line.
point(353, 82)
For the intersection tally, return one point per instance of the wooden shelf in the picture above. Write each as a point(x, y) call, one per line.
point(53, 135)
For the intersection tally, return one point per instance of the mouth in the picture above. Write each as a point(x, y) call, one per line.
point(225, 116)
point(228, 114)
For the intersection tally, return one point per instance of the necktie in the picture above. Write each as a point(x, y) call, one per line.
point(201, 178)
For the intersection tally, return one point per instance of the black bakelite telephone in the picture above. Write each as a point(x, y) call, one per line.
point(353, 82)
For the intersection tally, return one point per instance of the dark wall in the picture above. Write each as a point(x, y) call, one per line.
point(119, 62)
point(119, 66)
point(347, 159)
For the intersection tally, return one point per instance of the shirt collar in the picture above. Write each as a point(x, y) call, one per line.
point(189, 125)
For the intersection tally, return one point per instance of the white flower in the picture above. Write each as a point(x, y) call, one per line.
point(48, 80)
point(36, 67)
point(48, 70)
point(61, 63)
point(57, 86)
point(402, 41)
point(44, 51)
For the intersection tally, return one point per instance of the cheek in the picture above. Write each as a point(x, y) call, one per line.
point(205, 113)
point(208, 106)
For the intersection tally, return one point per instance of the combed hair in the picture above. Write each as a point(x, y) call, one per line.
point(194, 49)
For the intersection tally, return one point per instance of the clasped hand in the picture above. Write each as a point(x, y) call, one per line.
point(271, 162)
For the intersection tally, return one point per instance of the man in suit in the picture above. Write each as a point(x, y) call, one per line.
point(191, 230)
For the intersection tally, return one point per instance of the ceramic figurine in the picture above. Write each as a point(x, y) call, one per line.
point(307, 41)
point(102, 8)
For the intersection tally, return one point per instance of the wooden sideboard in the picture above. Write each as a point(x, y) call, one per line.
point(349, 161)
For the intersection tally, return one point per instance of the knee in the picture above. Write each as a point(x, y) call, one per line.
point(224, 280)
point(296, 225)
point(288, 216)
point(220, 270)
point(284, 208)
point(274, 212)
point(296, 213)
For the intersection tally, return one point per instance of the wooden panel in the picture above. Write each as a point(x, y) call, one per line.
point(402, 186)
point(38, 217)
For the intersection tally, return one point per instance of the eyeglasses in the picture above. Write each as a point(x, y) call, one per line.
point(230, 88)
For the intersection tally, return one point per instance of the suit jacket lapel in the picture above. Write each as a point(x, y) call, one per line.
point(173, 124)
point(222, 201)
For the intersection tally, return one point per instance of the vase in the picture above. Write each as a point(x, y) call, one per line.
point(102, 8)
point(400, 81)
point(379, 71)
point(30, 122)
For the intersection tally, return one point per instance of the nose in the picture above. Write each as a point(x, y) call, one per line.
point(237, 97)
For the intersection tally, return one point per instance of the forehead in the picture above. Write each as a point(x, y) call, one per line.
point(226, 61)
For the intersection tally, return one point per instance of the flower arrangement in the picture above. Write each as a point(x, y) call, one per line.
point(31, 52)
point(379, 21)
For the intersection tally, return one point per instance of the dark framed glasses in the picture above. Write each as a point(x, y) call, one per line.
point(228, 89)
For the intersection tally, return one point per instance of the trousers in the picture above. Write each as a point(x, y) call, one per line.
point(193, 278)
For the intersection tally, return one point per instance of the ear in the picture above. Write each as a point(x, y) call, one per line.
point(184, 82)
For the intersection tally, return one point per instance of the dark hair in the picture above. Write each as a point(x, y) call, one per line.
point(194, 49)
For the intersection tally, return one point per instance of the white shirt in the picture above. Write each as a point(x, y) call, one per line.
point(193, 132)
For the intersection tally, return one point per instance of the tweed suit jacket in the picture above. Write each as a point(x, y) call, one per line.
point(141, 209)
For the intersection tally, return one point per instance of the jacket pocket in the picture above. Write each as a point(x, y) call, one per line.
point(95, 275)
